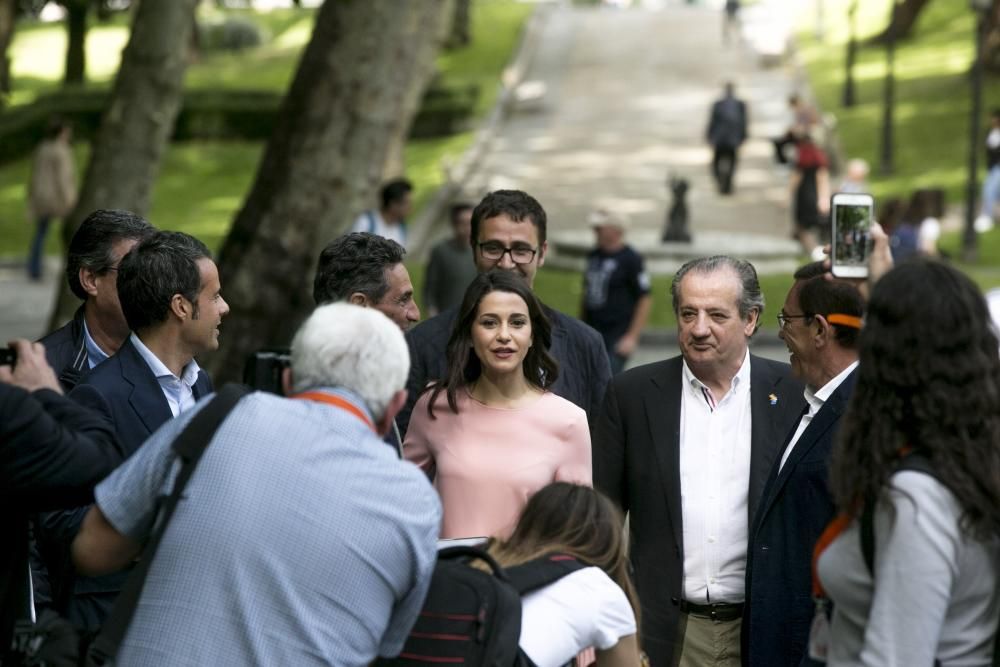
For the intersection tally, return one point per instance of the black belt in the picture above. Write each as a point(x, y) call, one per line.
point(720, 611)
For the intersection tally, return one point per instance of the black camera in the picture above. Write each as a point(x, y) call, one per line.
point(8, 356)
point(263, 369)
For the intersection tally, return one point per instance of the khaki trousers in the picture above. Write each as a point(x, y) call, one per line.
point(709, 643)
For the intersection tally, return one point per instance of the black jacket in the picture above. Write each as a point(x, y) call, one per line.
point(584, 369)
point(636, 444)
point(795, 509)
point(52, 453)
point(66, 351)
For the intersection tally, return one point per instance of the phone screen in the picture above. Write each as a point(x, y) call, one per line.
point(851, 235)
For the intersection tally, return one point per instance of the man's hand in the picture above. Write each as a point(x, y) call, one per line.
point(879, 262)
point(31, 371)
point(626, 345)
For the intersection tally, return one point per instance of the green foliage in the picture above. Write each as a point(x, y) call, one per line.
point(232, 33)
point(932, 93)
point(202, 183)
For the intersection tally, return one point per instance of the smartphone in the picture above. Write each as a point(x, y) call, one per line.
point(851, 217)
point(8, 356)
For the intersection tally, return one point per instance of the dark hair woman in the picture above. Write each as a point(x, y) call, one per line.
point(490, 434)
point(928, 384)
point(593, 607)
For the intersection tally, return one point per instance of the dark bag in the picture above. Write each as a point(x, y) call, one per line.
point(918, 463)
point(52, 640)
point(473, 617)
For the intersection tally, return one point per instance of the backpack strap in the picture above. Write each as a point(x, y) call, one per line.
point(541, 572)
point(189, 446)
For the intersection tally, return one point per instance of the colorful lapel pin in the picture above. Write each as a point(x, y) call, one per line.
point(773, 399)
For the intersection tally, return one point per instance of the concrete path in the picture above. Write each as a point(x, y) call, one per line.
point(626, 100)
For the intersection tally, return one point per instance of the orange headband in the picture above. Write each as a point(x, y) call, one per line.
point(844, 320)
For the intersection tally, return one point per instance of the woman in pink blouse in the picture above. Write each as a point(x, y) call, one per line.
point(490, 435)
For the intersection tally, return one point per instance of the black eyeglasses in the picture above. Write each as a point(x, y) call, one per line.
point(783, 319)
point(518, 254)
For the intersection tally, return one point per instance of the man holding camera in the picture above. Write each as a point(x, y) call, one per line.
point(295, 501)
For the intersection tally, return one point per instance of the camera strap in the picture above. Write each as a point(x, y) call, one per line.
point(339, 402)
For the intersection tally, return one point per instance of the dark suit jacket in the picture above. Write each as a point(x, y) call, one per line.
point(636, 445)
point(727, 126)
point(52, 453)
point(124, 391)
point(795, 509)
point(66, 351)
point(584, 369)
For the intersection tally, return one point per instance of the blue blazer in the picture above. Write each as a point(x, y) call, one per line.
point(124, 391)
point(795, 509)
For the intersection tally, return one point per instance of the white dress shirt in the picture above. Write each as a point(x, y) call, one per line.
point(715, 486)
point(178, 391)
point(95, 354)
point(815, 400)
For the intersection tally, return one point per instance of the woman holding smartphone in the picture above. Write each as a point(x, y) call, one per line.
point(490, 434)
point(916, 476)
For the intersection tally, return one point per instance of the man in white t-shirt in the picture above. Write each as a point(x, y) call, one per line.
point(390, 220)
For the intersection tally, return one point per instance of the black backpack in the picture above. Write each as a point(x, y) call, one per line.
point(473, 617)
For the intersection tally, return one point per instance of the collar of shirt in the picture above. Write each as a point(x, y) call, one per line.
point(95, 354)
point(816, 399)
point(189, 375)
point(740, 383)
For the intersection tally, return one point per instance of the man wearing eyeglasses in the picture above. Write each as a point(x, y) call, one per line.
point(508, 232)
point(819, 322)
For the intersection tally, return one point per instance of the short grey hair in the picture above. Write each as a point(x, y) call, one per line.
point(751, 298)
point(354, 348)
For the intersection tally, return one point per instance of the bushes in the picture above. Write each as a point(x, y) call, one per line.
point(211, 114)
point(232, 33)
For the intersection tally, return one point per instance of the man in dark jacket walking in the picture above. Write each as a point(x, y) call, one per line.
point(727, 129)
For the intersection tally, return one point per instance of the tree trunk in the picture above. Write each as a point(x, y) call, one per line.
point(7, 11)
point(323, 160)
point(991, 42)
point(907, 14)
point(460, 33)
point(76, 45)
point(137, 122)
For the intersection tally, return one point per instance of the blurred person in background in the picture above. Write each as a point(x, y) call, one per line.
point(52, 188)
point(449, 270)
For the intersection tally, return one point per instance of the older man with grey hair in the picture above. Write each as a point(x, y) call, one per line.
point(301, 539)
point(685, 446)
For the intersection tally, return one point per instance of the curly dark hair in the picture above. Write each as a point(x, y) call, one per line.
point(928, 378)
point(355, 262)
point(464, 367)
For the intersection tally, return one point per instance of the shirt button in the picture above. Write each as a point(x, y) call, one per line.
point(711, 539)
point(712, 580)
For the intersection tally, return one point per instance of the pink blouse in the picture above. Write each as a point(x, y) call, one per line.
point(487, 461)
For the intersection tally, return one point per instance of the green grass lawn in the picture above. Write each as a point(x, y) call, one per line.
point(933, 105)
point(202, 184)
point(932, 92)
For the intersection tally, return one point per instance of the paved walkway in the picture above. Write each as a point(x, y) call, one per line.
point(626, 101)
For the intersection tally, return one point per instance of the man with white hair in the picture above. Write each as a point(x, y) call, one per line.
point(300, 539)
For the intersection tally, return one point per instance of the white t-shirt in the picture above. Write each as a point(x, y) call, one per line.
point(583, 609)
point(373, 223)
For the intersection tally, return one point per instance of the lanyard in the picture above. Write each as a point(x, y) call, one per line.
point(832, 532)
point(337, 401)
